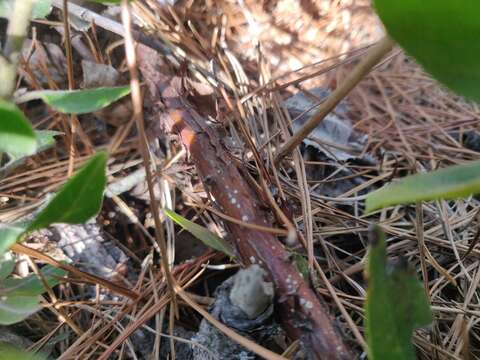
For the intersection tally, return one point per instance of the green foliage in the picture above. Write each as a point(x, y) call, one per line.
point(79, 199)
point(40, 10)
point(77, 101)
point(9, 352)
point(396, 305)
point(442, 35)
point(45, 139)
point(31, 285)
point(17, 308)
point(9, 235)
point(16, 134)
point(449, 183)
point(204, 235)
point(7, 263)
point(20, 297)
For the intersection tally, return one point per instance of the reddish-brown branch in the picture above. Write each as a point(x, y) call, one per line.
point(302, 314)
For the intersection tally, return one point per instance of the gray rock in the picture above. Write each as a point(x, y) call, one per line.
point(86, 246)
point(250, 292)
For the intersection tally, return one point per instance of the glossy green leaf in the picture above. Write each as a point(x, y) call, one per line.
point(16, 134)
point(442, 35)
point(7, 264)
point(17, 308)
point(32, 285)
point(9, 352)
point(79, 199)
point(449, 183)
point(204, 235)
point(9, 235)
point(396, 305)
point(77, 101)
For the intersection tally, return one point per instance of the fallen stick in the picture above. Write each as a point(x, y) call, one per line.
point(302, 314)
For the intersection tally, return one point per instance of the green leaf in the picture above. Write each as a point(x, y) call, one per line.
point(17, 308)
point(6, 8)
point(79, 199)
point(449, 183)
point(16, 134)
point(9, 235)
point(9, 352)
point(46, 139)
point(204, 235)
point(7, 264)
point(396, 305)
point(40, 10)
point(31, 285)
point(442, 35)
point(77, 101)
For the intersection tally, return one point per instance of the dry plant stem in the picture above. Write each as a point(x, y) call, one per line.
point(57, 310)
point(296, 302)
point(421, 244)
point(16, 32)
point(155, 308)
point(110, 25)
point(71, 86)
point(117, 28)
point(138, 115)
point(22, 249)
point(373, 57)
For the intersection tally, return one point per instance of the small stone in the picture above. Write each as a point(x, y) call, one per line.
point(250, 292)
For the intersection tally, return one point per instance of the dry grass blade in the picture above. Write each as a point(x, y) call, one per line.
point(22, 249)
point(138, 115)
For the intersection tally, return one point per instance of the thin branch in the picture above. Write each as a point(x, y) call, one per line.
point(117, 289)
point(296, 302)
point(374, 55)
